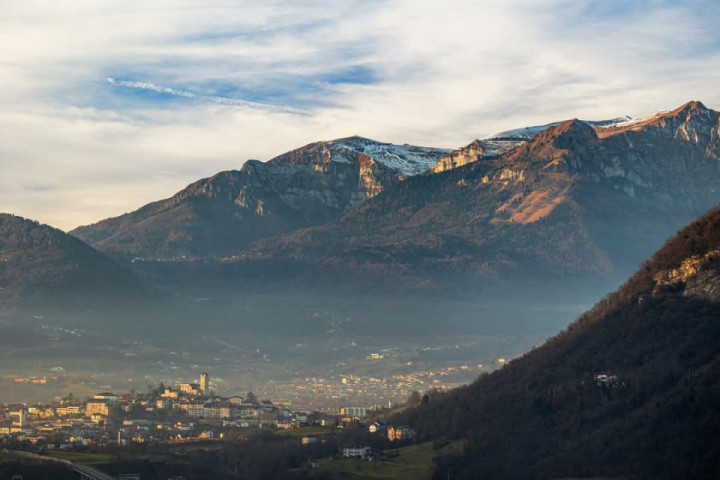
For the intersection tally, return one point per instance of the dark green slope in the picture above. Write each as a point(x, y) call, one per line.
point(654, 414)
point(40, 265)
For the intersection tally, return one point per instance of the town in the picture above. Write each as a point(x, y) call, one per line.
point(184, 413)
point(174, 424)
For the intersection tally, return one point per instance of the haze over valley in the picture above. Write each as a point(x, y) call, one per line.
point(305, 266)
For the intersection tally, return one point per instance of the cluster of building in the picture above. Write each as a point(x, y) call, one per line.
point(32, 380)
point(394, 433)
point(331, 392)
point(190, 410)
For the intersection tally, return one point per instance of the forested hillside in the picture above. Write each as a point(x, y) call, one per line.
point(43, 265)
point(630, 390)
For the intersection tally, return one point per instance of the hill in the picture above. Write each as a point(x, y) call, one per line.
point(41, 265)
point(630, 390)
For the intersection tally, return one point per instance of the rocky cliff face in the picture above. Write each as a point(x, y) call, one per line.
point(216, 216)
point(474, 152)
point(334, 177)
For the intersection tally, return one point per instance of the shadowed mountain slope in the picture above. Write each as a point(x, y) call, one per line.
point(630, 390)
point(42, 265)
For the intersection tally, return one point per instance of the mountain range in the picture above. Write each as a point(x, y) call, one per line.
point(577, 197)
point(574, 199)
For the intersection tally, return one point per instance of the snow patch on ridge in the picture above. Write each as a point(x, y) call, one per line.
point(526, 133)
point(495, 148)
point(406, 159)
point(630, 122)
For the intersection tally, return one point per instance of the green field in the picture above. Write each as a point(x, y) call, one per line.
point(412, 463)
point(81, 457)
point(302, 431)
point(452, 449)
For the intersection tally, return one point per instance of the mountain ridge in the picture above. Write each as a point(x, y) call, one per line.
point(307, 186)
point(568, 199)
point(577, 198)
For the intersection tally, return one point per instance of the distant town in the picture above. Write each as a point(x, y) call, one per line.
point(179, 413)
point(288, 374)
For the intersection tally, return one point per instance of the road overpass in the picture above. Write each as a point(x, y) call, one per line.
point(86, 473)
point(89, 473)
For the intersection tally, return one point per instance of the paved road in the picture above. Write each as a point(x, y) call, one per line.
point(35, 456)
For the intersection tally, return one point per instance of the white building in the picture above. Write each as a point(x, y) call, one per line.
point(354, 412)
point(376, 427)
point(356, 452)
point(110, 398)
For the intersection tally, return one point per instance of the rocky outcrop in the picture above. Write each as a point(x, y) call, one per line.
point(697, 275)
point(473, 152)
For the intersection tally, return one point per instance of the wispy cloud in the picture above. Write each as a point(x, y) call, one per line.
point(210, 98)
point(149, 86)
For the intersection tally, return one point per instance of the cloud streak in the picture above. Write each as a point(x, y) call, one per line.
point(149, 86)
point(210, 98)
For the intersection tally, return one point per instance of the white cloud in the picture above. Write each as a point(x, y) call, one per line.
point(74, 149)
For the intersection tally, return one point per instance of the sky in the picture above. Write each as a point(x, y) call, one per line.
point(108, 105)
